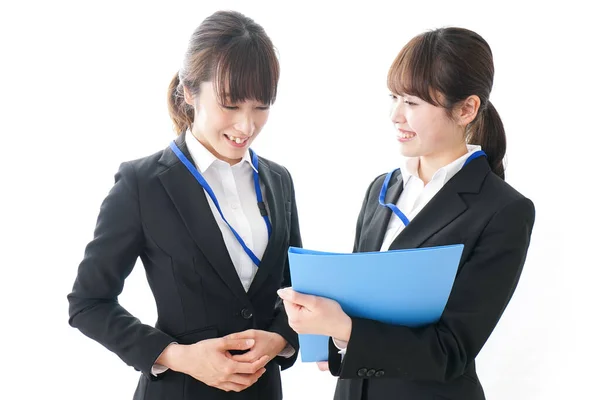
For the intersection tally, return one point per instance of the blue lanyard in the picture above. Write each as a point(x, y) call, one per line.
point(206, 186)
point(394, 208)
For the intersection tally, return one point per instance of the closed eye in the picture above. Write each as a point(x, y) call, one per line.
point(229, 107)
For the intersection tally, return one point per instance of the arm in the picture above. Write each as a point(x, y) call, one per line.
point(280, 323)
point(108, 260)
point(481, 292)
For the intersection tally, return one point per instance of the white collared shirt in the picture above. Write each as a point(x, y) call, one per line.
point(415, 194)
point(414, 197)
point(233, 186)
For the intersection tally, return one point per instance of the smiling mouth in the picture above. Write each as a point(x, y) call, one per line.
point(237, 140)
point(407, 135)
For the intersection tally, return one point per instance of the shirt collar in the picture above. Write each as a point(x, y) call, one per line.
point(410, 167)
point(204, 158)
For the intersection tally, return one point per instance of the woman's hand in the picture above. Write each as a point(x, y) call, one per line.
point(315, 315)
point(209, 361)
point(265, 343)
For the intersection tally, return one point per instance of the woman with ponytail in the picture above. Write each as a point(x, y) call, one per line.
point(211, 222)
point(449, 189)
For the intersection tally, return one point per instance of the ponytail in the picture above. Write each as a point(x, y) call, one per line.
point(488, 132)
point(182, 114)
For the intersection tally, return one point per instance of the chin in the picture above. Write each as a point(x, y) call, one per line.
point(407, 153)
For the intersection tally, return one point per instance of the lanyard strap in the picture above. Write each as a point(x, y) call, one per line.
point(394, 208)
point(207, 188)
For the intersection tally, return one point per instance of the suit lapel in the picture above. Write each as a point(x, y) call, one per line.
point(192, 205)
point(444, 207)
point(375, 232)
point(277, 215)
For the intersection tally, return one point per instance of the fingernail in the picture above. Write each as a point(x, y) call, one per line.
point(250, 342)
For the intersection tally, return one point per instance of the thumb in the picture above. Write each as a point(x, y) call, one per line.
point(290, 295)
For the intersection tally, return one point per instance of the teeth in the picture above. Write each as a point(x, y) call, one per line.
point(236, 139)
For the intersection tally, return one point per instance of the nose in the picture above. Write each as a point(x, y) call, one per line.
point(397, 112)
point(245, 123)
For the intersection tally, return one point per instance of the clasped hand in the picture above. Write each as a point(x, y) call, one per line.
point(211, 362)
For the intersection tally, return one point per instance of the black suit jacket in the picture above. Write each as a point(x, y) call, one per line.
point(494, 222)
point(157, 211)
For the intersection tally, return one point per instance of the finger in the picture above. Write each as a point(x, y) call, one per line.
point(305, 300)
point(246, 379)
point(323, 365)
point(291, 308)
point(235, 344)
point(247, 334)
point(248, 357)
point(231, 387)
point(248, 368)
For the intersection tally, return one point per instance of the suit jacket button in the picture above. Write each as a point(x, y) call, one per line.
point(246, 314)
point(379, 373)
point(362, 372)
point(370, 372)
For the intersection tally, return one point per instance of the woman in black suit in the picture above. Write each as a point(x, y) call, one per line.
point(449, 190)
point(211, 222)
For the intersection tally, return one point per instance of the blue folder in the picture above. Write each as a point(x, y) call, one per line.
point(400, 287)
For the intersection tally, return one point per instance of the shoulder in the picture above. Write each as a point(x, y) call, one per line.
point(499, 194)
point(276, 168)
point(145, 169)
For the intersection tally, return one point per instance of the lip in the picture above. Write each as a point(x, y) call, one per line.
point(237, 145)
point(403, 139)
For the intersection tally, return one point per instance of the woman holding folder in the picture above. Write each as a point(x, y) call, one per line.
point(211, 222)
point(450, 190)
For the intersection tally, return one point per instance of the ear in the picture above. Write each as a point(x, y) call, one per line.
point(187, 96)
point(467, 110)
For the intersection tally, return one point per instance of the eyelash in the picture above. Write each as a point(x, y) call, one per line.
point(410, 103)
point(236, 107)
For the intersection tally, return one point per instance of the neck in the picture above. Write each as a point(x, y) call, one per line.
point(430, 164)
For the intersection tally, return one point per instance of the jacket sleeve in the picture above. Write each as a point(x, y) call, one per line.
point(108, 260)
point(481, 292)
point(280, 323)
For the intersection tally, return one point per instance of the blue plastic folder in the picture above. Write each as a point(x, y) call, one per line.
point(400, 287)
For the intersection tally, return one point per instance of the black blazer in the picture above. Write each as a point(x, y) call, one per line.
point(157, 211)
point(494, 222)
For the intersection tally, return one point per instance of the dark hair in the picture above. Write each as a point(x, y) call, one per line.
point(455, 63)
point(233, 52)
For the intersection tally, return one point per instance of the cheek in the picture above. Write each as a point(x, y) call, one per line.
point(261, 119)
point(219, 121)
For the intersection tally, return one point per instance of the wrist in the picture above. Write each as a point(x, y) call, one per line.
point(172, 357)
point(279, 342)
point(343, 329)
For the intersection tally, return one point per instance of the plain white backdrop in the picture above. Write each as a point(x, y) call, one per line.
point(83, 88)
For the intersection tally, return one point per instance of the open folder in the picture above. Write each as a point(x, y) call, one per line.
point(401, 287)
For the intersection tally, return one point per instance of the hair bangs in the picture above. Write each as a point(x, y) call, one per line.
point(413, 71)
point(247, 70)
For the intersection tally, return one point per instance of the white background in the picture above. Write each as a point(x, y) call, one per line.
point(83, 87)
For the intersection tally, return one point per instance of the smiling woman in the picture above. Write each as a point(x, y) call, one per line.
point(449, 189)
point(202, 215)
point(225, 87)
